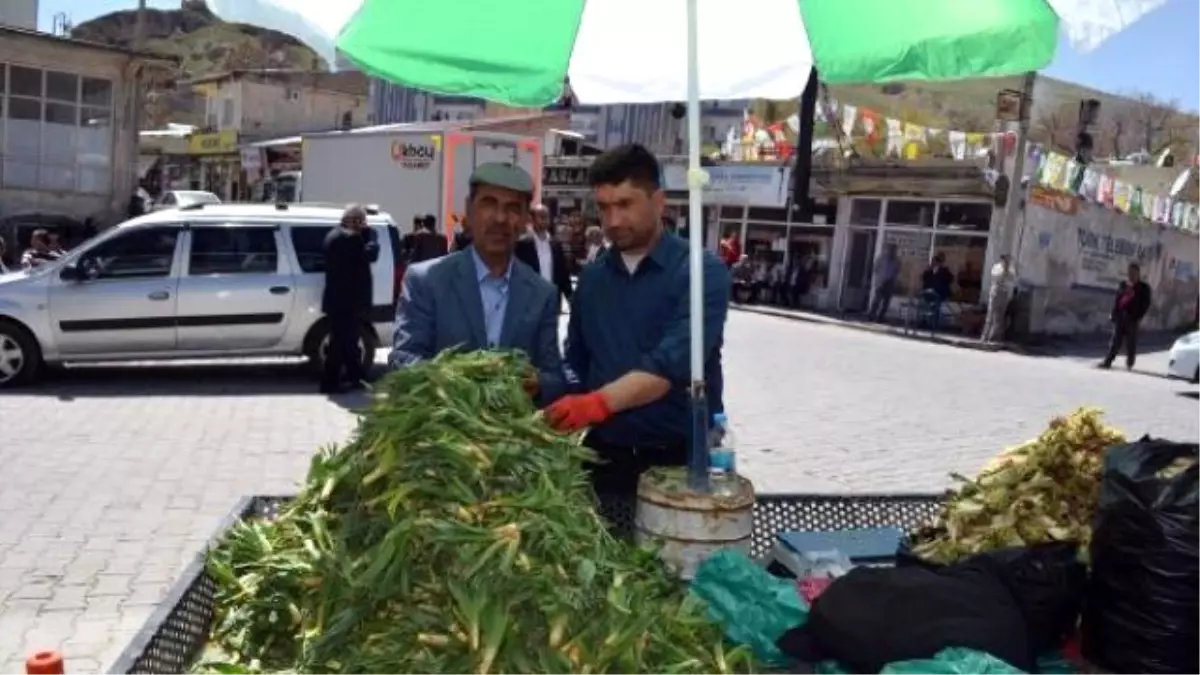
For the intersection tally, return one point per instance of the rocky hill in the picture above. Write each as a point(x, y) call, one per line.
point(203, 43)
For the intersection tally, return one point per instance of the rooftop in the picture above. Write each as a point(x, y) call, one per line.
point(348, 82)
point(8, 32)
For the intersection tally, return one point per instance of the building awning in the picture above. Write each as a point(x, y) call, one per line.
point(275, 142)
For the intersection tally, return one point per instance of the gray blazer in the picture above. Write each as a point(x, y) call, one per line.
point(440, 308)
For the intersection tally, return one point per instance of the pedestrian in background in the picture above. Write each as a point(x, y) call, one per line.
point(462, 236)
point(54, 245)
point(1130, 305)
point(541, 251)
point(3, 253)
point(596, 243)
point(730, 249)
point(1004, 280)
point(887, 271)
point(346, 301)
point(38, 253)
point(937, 282)
point(424, 242)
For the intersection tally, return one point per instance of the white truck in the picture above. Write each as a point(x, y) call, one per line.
point(409, 170)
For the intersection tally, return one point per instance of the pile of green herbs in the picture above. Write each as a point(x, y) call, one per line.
point(454, 533)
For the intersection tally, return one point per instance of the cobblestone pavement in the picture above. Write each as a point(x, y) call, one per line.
point(112, 479)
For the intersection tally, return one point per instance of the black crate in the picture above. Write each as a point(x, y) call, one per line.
point(175, 635)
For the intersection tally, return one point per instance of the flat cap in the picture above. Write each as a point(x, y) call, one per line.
point(503, 175)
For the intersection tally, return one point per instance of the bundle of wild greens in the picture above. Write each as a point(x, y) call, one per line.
point(1041, 491)
point(454, 533)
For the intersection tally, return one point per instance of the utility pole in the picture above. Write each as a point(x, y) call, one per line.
point(1015, 199)
point(802, 167)
point(139, 39)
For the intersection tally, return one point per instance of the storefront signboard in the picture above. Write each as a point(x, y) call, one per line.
point(764, 185)
point(1104, 258)
point(1055, 200)
point(565, 177)
point(252, 160)
point(217, 143)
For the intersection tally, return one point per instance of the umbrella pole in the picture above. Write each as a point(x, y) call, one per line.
point(698, 452)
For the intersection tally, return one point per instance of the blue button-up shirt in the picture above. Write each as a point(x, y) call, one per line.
point(622, 322)
point(493, 293)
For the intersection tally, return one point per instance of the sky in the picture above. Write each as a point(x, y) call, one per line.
point(1158, 54)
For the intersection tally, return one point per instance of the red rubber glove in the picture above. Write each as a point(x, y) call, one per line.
point(579, 411)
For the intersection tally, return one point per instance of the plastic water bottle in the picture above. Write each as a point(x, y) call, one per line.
point(722, 461)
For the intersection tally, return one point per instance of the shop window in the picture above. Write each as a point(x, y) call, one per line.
point(94, 156)
point(865, 211)
point(767, 214)
point(912, 250)
point(909, 212)
point(25, 82)
point(810, 248)
point(964, 216)
point(62, 86)
point(732, 212)
point(24, 128)
point(233, 250)
point(96, 93)
point(56, 131)
point(764, 240)
point(965, 257)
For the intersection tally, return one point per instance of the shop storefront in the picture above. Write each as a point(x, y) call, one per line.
point(216, 164)
point(919, 228)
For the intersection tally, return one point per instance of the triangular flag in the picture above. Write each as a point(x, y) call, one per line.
point(849, 114)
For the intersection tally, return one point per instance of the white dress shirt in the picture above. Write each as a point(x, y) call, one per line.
point(545, 256)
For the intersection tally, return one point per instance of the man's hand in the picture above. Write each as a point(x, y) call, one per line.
point(530, 383)
point(580, 411)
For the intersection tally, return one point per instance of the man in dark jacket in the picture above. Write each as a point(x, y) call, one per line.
point(541, 251)
point(349, 251)
point(424, 242)
point(937, 283)
point(1131, 304)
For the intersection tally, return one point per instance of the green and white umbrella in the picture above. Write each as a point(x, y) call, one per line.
point(518, 52)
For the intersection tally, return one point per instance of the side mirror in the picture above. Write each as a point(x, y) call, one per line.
point(79, 271)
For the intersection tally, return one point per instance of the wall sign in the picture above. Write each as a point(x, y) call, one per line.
point(1104, 258)
point(219, 143)
point(565, 177)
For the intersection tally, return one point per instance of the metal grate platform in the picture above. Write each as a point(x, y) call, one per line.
point(175, 635)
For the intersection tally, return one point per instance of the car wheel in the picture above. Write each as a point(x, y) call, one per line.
point(20, 357)
point(318, 347)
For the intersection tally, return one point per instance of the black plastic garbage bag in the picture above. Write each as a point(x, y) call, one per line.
point(1048, 582)
point(1142, 610)
point(875, 616)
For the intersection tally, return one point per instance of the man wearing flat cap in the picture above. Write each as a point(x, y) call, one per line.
point(479, 297)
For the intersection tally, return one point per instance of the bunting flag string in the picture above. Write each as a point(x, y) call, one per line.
point(1090, 182)
point(908, 140)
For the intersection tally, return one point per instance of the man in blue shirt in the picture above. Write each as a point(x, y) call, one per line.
point(628, 339)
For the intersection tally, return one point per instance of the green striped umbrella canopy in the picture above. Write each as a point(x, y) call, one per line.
point(519, 52)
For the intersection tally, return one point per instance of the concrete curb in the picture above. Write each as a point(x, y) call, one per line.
point(880, 329)
point(897, 332)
